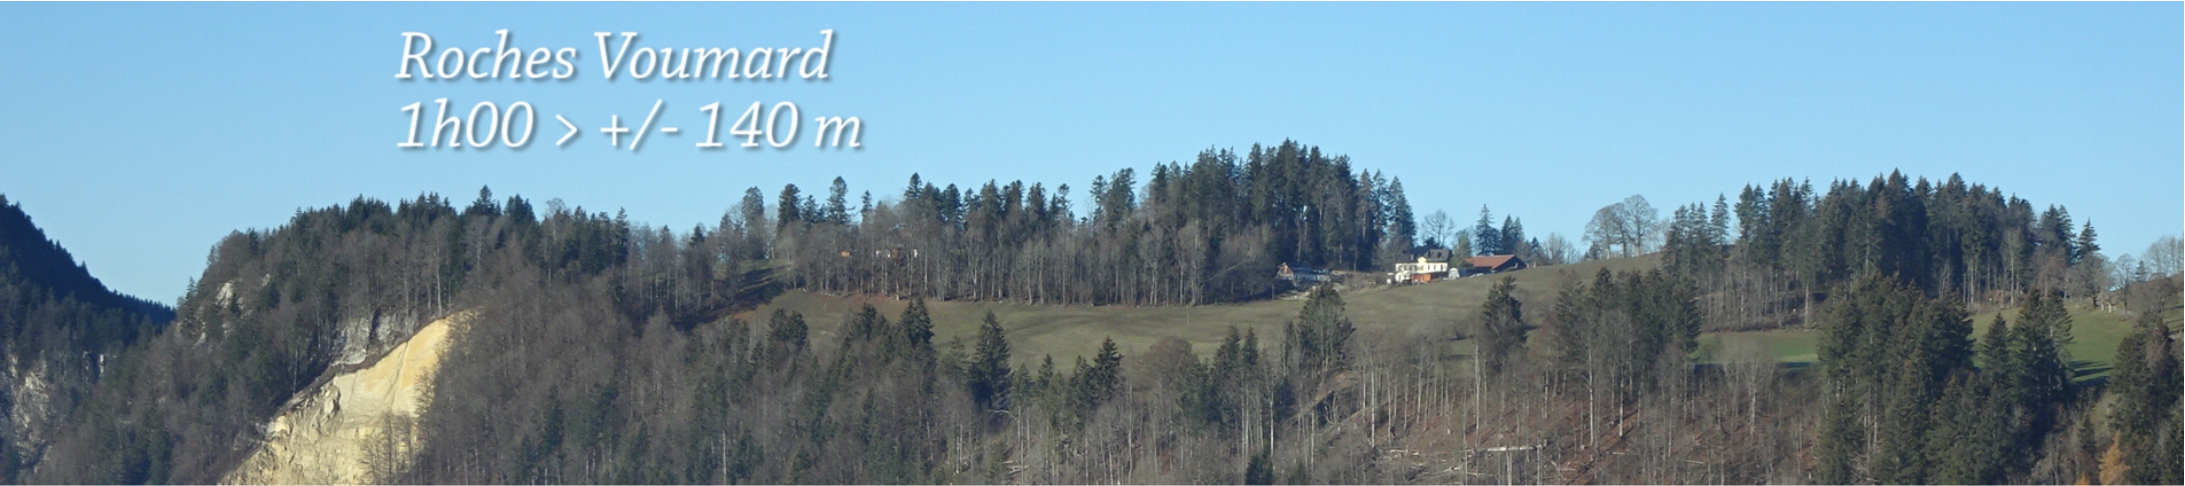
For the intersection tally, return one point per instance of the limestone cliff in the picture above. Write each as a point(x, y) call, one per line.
point(347, 429)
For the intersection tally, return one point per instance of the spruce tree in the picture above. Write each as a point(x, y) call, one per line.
point(2043, 372)
point(1097, 382)
point(1904, 427)
point(1513, 235)
point(989, 367)
point(788, 332)
point(1839, 445)
point(785, 209)
point(1964, 445)
point(917, 325)
point(2047, 314)
point(2146, 419)
point(1486, 239)
point(838, 204)
point(1502, 327)
point(1401, 224)
point(1994, 348)
point(1321, 338)
point(2086, 247)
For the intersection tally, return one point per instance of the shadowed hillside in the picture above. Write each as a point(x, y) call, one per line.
point(58, 323)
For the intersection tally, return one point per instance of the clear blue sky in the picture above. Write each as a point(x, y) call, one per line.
point(139, 134)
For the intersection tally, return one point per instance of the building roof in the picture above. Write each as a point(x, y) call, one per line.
point(1490, 261)
point(1436, 255)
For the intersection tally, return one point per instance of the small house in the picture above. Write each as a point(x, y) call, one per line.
point(1422, 271)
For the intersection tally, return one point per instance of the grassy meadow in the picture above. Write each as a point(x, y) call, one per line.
point(1427, 311)
point(2096, 333)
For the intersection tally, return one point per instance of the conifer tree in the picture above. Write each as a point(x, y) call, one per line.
point(1502, 328)
point(786, 211)
point(2043, 374)
point(1838, 445)
point(917, 324)
point(838, 203)
point(1965, 443)
point(2146, 382)
point(1320, 339)
point(989, 367)
point(2045, 312)
point(1099, 381)
point(1904, 428)
point(1486, 239)
point(1513, 235)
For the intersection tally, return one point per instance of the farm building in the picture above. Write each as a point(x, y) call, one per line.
point(1483, 265)
point(1302, 274)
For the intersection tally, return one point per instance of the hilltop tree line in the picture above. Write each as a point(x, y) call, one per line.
point(1790, 246)
point(1211, 231)
point(40, 276)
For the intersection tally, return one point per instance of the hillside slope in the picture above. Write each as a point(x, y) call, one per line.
point(272, 313)
point(28, 257)
point(1436, 309)
point(1067, 332)
point(57, 323)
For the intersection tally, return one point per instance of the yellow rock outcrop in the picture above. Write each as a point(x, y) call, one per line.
point(344, 431)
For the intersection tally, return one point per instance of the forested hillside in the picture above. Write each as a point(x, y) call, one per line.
point(594, 349)
point(276, 309)
point(1887, 273)
point(58, 322)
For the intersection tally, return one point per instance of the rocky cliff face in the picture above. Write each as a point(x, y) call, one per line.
point(28, 400)
point(351, 428)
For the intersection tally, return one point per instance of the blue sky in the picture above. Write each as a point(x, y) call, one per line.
point(139, 134)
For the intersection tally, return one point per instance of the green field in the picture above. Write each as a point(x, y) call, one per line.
point(2095, 333)
point(1794, 346)
point(1427, 310)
